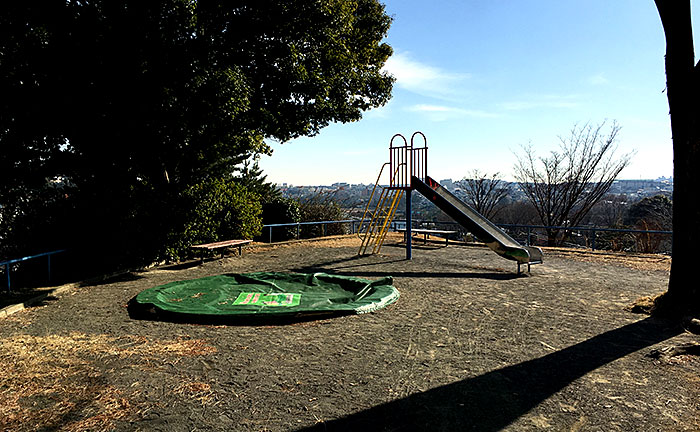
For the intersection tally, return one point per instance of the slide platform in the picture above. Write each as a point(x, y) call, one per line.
point(475, 223)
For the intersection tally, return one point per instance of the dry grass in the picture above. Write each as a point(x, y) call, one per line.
point(635, 261)
point(195, 390)
point(52, 381)
point(329, 241)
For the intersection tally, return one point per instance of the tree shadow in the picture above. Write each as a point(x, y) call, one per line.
point(332, 267)
point(494, 400)
point(496, 276)
point(122, 277)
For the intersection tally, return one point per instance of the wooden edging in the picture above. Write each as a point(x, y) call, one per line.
point(62, 289)
point(9, 310)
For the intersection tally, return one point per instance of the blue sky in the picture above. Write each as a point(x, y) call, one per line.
point(482, 78)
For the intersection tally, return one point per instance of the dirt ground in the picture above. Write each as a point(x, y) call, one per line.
point(470, 345)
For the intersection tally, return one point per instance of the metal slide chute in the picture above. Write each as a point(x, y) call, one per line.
point(482, 228)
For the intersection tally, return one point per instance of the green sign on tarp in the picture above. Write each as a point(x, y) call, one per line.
point(270, 293)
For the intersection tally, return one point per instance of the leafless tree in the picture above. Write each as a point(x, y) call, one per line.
point(564, 186)
point(485, 193)
point(609, 211)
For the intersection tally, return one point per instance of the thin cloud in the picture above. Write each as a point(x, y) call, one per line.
point(421, 78)
point(443, 113)
point(598, 79)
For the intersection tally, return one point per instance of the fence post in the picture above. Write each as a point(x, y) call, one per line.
point(298, 229)
point(529, 234)
point(593, 233)
point(270, 228)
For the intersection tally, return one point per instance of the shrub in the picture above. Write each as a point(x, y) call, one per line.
point(278, 211)
point(328, 210)
point(218, 209)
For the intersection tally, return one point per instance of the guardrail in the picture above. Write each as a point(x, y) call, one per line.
point(530, 230)
point(8, 264)
point(592, 230)
point(298, 226)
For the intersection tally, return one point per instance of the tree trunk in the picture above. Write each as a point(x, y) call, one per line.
point(682, 91)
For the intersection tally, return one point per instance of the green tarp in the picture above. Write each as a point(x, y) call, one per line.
point(274, 294)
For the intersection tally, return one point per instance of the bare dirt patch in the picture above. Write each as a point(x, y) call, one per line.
point(469, 346)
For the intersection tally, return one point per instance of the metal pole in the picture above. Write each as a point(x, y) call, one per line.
point(270, 234)
point(593, 233)
point(408, 225)
point(7, 270)
point(529, 233)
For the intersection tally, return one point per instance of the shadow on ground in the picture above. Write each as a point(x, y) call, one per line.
point(342, 270)
point(494, 400)
point(351, 267)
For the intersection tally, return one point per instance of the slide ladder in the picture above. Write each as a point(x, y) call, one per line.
point(379, 219)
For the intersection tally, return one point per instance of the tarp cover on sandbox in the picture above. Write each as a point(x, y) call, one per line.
point(270, 294)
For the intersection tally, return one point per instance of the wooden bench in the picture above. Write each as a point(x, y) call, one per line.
point(426, 233)
point(223, 245)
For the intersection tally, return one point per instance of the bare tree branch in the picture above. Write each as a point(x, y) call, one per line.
point(485, 193)
point(564, 186)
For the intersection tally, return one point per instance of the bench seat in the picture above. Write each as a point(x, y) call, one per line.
point(426, 233)
point(223, 245)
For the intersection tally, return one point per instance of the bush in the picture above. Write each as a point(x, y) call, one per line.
point(313, 211)
point(279, 211)
point(218, 209)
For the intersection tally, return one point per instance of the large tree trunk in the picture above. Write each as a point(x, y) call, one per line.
point(682, 90)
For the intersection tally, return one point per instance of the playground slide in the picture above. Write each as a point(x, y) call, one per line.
point(482, 228)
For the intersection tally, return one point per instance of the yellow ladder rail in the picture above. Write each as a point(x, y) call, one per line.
point(369, 200)
point(387, 220)
point(373, 223)
point(381, 217)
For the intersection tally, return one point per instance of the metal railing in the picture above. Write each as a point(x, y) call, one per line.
point(8, 264)
point(593, 231)
point(298, 225)
point(528, 235)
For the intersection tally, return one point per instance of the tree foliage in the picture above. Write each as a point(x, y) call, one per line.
point(131, 104)
point(217, 210)
point(564, 186)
